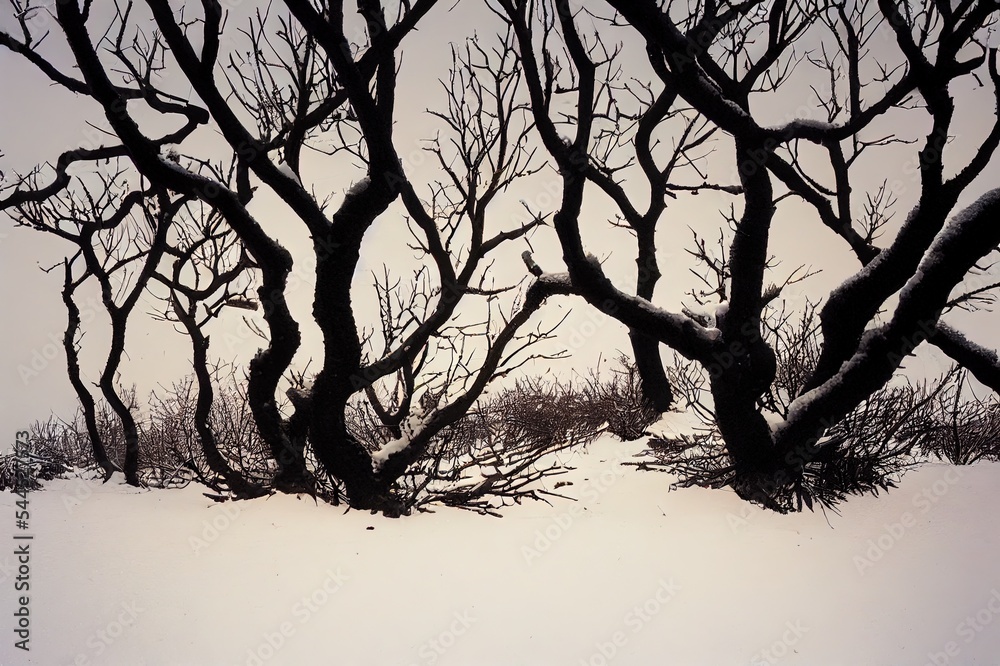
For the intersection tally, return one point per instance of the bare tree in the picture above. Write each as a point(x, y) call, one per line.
point(866, 451)
point(562, 81)
point(308, 87)
point(210, 271)
point(88, 405)
point(718, 60)
point(120, 234)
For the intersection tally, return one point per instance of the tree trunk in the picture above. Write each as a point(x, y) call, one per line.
point(656, 390)
point(265, 372)
point(744, 371)
point(296, 429)
point(758, 466)
point(653, 380)
point(337, 255)
point(107, 383)
point(240, 486)
point(87, 404)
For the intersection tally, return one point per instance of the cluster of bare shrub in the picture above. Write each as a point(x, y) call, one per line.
point(866, 451)
point(491, 457)
point(632, 106)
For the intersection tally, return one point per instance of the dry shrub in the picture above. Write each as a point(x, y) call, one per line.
point(964, 430)
point(495, 454)
point(865, 452)
point(491, 457)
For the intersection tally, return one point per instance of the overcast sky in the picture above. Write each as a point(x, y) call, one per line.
point(37, 121)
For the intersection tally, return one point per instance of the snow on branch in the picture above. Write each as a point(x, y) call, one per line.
point(286, 171)
point(982, 362)
point(409, 429)
point(971, 234)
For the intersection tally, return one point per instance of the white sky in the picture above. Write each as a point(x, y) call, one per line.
point(38, 120)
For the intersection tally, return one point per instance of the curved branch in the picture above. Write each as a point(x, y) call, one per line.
point(983, 363)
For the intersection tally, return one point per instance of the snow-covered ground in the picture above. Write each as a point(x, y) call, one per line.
point(628, 574)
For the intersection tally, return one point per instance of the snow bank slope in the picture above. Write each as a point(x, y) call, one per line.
point(629, 574)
